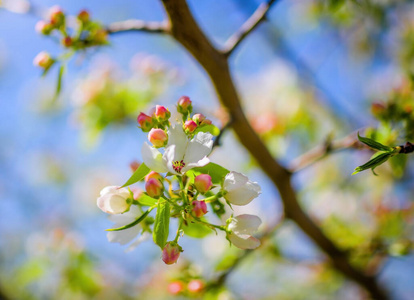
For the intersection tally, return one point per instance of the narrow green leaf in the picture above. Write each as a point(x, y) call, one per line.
point(374, 144)
point(161, 224)
point(137, 221)
point(208, 128)
point(146, 200)
point(373, 163)
point(59, 81)
point(216, 172)
point(138, 175)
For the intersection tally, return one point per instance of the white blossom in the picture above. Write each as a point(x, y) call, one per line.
point(242, 227)
point(239, 189)
point(113, 200)
point(181, 154)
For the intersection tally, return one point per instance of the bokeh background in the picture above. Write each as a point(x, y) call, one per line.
point(312, 72)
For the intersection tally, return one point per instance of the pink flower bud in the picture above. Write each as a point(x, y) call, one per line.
point(195, 286)
point(184, 105)
point(83, 16)
point(154, 188)
point(203, 183)
point(190, 126)
point(158, 137)
point(134, 165)
point(198, 118)
point(175, 287)
point(162, 113)
point(57, 17)
point(43, 60)
point(199, 208)
point(43, 28)
point(205, 122)
point(145, 122)
point(155, 175)
point(67, 42)
point(171, 253)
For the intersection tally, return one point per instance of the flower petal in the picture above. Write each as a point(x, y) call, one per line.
point(234, 180)
point(198, 148)
point(201, 163)
point(168, 158)
point(177, 137)
point(124, 236)
point(245, 224)
point(142, 238)
point(153, 158)
point(244, 241)
point(240, 190)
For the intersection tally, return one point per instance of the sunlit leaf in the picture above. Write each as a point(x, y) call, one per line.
point(216, 172)
point(161, 224)
point(373, 163)
point(196, 230)
point(374, 144)
point(138, 175)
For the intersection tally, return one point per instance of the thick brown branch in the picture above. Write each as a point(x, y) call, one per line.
point(137, 25)
point(256, 18)
point(187, 32)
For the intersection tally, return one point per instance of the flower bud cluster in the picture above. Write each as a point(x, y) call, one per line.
point(196, 188)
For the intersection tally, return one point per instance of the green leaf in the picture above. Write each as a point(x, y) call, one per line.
point(137, 221)
point(216, 172)
point(138, 175)
point(161, 224)
point(373, 163)
point(374, 144)
point(208, 128)
point(146, 200)
point(59, 81)
point(197, 230)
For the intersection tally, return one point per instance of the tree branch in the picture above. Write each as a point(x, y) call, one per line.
point(187, 32)
point(138, 25)
point(256, 18)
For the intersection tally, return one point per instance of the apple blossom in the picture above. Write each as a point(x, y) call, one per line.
point(181, 154)
point(157, 137)
point(57, 17)
point(113, 200)
point(241, 229)
point(203, 183)
point(171, 253)
point(155, 175)
point(43, 27)
point(198, 118)
point(43, 60)
point(239, 190)
point(83, 16)
point(199, 208)
point(162, 113)
point(205, 122)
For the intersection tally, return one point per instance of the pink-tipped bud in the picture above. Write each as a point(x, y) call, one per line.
point(175, 287)
point(155, 175)
point(83, 16)
point(162, 113)
point(190, 126)
point(154, 188)
point(199, 208)
point(67, 42)
point(203, 183)
point(171, 253)
point(158, 137)
point(43, 28)
point(198, 118)
point(43, 60)
point(205, 122)
point(145, 122)
point(57, 16)
point(195, 286)
point(184, 105)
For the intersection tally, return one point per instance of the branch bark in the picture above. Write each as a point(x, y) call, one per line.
point(187, 32)
point(256, 18)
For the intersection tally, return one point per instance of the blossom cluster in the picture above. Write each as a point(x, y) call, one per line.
point(83, 34)
point(181, 183)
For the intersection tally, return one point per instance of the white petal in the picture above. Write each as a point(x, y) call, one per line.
point(245, 224)
point(142, 238)
point(177, 137)
point(234, 180)
point(198, 148)
point(123, 236)
point(168, 158)
point(108, 189)
point(153, 158)
point(244, 242)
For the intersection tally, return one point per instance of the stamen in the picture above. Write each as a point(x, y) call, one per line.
point(178, 165)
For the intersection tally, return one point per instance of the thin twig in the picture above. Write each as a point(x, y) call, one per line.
point(256, 18)
point(138, 25)
point(320, 152)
